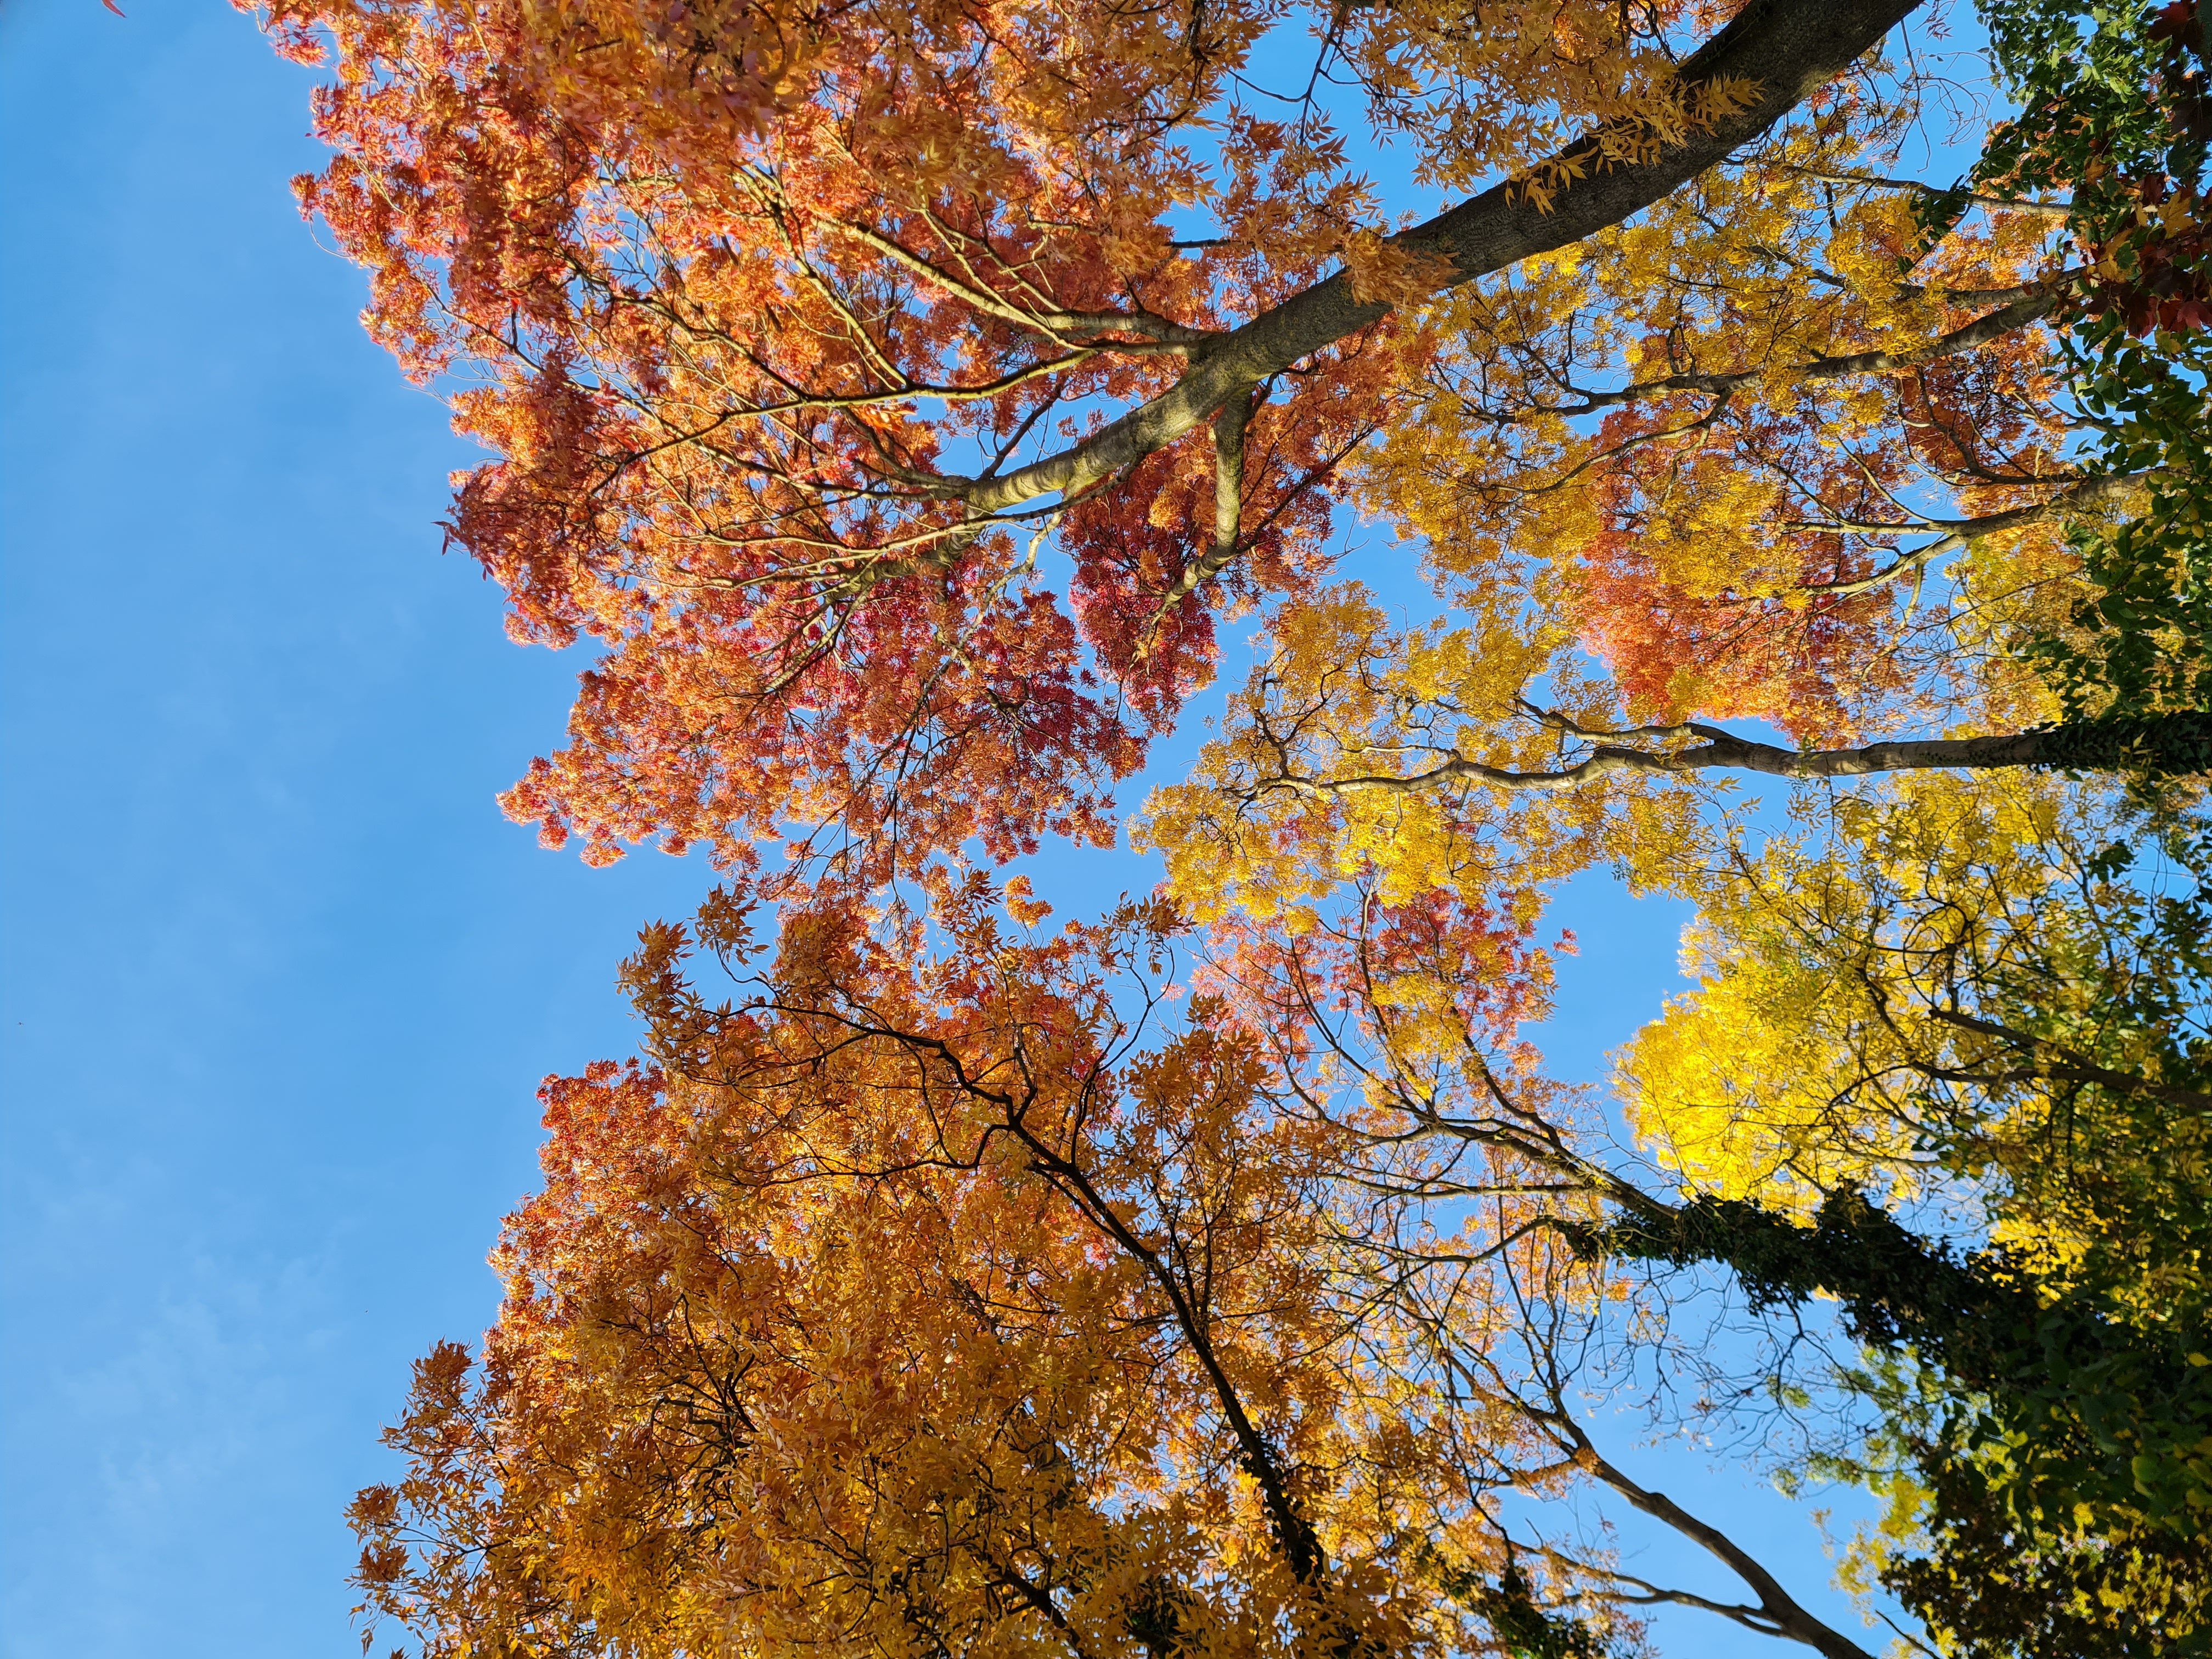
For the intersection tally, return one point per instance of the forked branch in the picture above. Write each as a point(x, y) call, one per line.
point(2080, 497)
point(1778, 1610)
point(1228, 429)
point(2027, 308)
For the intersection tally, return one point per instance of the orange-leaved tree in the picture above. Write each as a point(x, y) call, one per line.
point(810, 341)
point(961, 1297)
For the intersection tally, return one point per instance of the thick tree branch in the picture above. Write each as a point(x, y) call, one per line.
point(2164, 746)
point(1229, 428)
point(1775, 1603)
point(1783, 49)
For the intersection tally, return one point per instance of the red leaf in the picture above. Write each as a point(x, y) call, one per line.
point(2173, 20)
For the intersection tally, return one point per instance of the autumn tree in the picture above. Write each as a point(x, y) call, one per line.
point(1999, 1002)
point(952, 1288)
point(988, 1305)
point(799, 335)
point(902, 399)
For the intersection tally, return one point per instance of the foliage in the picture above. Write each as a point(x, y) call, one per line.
point(793, 330)
point(911, 1309)
point(1527, 1630)
point(2118, 114)
point(2064, 1464)
point(902, 401)
point(2115, 109)
point(2177, 744)
point(2140, 639)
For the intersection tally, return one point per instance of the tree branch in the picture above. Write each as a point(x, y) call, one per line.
point(2004, 203)
point(2165, 744)
point(1783, 49)
point(2089, 492)
point(1775, 1603)
point(1229, 428)
point(1980, 332)
point(2075, 1068)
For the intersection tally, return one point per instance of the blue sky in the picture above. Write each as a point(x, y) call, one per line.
point(279, 980)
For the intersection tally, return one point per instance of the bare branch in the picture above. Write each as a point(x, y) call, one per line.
point(1845, 176)
point(1719, 750)
point(1775, 1603)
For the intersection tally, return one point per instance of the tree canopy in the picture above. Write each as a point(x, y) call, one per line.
point(909, 405)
